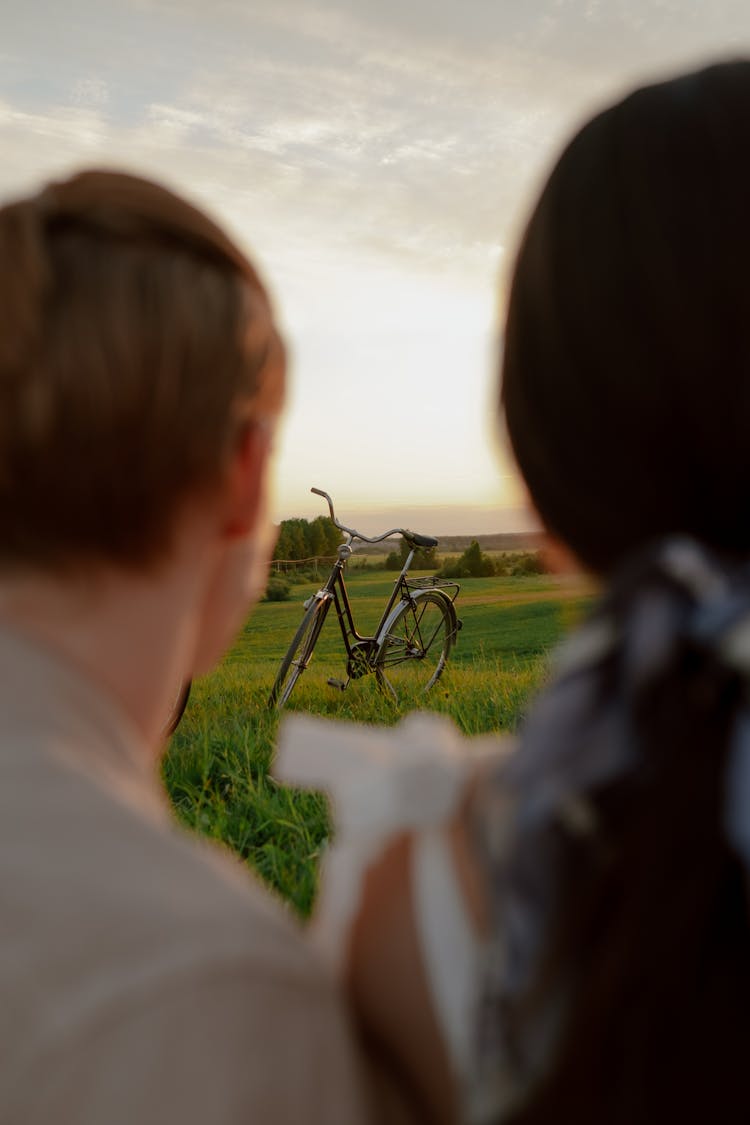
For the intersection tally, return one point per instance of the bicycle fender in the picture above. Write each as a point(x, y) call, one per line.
point(407, 601)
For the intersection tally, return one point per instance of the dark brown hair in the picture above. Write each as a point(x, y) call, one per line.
point(626, 371)
point(626, 390)
point(135, 339)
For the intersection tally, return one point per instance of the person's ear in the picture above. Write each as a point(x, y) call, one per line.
point(245, 481)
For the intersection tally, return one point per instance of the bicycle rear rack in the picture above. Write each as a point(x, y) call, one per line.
point(433, 582)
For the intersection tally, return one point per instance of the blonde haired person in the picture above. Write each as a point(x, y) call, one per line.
point(143, 978)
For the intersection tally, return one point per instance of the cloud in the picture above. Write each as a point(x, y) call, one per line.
point(378, 159)
point(413, 132)
point(413, 129)
point(90, 92)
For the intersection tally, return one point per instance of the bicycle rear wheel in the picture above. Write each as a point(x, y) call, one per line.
point(414, 651)
point(299, 653)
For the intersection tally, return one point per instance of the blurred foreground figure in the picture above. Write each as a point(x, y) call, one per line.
point(623, 900)
point(603, 956)
point(143, 978)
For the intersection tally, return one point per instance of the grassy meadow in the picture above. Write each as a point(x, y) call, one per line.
point(216, 769)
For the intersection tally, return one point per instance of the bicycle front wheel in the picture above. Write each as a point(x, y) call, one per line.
point(415, 649)
point(299, 653)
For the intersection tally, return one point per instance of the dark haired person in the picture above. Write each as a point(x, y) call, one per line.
point(143, 977)
point(613, 844)
point(626, 391)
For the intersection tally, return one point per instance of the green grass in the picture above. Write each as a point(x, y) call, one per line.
point(216, 769)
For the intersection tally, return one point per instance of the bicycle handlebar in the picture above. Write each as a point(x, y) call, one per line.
point(419, 540)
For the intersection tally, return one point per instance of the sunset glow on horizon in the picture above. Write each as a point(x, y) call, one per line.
point(377, 163)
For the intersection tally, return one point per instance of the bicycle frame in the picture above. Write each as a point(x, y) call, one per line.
point(336, 591)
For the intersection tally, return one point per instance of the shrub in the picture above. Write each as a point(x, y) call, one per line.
point(277, 590)
point(456, 569)
point(473, 563)
point(527, 563)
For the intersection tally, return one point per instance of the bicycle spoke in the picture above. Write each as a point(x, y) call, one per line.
point(425, 645)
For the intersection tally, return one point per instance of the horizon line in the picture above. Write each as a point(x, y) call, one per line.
point(448, 519)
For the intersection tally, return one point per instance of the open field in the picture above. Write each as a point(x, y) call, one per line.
point(217, 766)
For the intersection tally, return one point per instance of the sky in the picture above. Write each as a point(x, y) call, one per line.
point(376, 160)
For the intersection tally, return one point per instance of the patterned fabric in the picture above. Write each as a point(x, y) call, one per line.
point(676, 606)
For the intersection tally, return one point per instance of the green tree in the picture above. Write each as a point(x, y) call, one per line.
point(301, 539)
point(472, 556)
point(291, 541)
point(281, 550)
point(297, 539)
point(473, 563)
point(332, 537)
point(316, 538)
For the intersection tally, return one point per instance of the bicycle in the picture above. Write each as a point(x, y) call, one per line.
point(412, 642)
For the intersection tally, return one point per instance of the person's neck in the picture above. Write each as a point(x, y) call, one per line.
point(131, 632)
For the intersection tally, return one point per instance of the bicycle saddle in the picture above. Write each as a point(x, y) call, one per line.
point(415, 540)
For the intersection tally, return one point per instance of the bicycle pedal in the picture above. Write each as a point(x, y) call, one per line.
point(336, 683)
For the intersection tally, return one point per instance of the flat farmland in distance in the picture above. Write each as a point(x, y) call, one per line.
point(217, 766)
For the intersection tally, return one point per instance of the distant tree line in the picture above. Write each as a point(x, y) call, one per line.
point(307, 539)
point(319, 538)
point(474, 563)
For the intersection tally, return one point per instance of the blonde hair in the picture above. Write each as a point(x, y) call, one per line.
point(136, 340)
